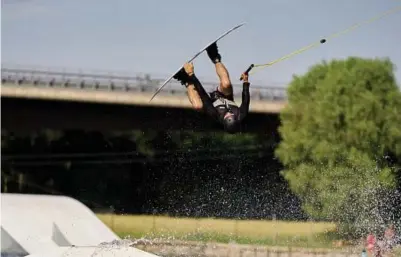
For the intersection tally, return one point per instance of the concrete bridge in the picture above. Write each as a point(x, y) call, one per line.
point(36, 98)
point(134, 90)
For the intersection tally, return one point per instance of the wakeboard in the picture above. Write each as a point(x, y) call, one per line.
point(194, 57)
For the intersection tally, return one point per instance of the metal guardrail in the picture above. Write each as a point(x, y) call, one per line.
point(108, 82)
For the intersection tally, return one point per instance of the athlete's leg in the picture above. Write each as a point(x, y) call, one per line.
point(192, 94)
point(194, 97)
point(225, 86)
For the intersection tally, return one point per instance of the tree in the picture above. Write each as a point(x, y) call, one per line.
point(340, 131)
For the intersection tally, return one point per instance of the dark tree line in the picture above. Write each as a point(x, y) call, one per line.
point(175, 173)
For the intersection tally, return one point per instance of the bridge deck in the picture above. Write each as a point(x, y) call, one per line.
point(61, 86)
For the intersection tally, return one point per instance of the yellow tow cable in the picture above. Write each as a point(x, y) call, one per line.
point(322, 41)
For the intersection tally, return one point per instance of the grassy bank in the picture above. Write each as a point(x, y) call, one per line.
point(278, 233)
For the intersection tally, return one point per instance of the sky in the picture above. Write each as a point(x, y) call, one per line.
point(158, 36)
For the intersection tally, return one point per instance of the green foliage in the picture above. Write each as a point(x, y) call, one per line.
point(221, 140)
point(350, 194)
point(338, 107)
point(342, 120)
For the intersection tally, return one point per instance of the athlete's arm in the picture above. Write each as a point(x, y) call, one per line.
point(246, 99)
point(207, 102)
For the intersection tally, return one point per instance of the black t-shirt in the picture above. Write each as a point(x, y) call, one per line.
point(217, 110)
point(223, 105)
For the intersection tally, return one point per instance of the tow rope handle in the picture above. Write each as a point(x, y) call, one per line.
point(247, 71)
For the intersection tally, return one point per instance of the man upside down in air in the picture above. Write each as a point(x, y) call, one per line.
point(219, 104)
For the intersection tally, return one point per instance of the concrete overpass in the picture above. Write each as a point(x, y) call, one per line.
point(33, 99)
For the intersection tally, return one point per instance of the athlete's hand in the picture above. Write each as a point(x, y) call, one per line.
point(189, 68)
point(244, 77)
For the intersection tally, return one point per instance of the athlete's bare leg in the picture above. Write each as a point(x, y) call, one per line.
point(225, 86)
point(194, 97)
point(192, 93)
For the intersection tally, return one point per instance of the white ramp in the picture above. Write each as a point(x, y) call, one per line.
point(44, 223)
point(126, 251)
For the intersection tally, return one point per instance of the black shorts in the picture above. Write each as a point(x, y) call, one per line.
point(217, 94)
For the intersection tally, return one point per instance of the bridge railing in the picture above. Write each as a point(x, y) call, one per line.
point(109, 82)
